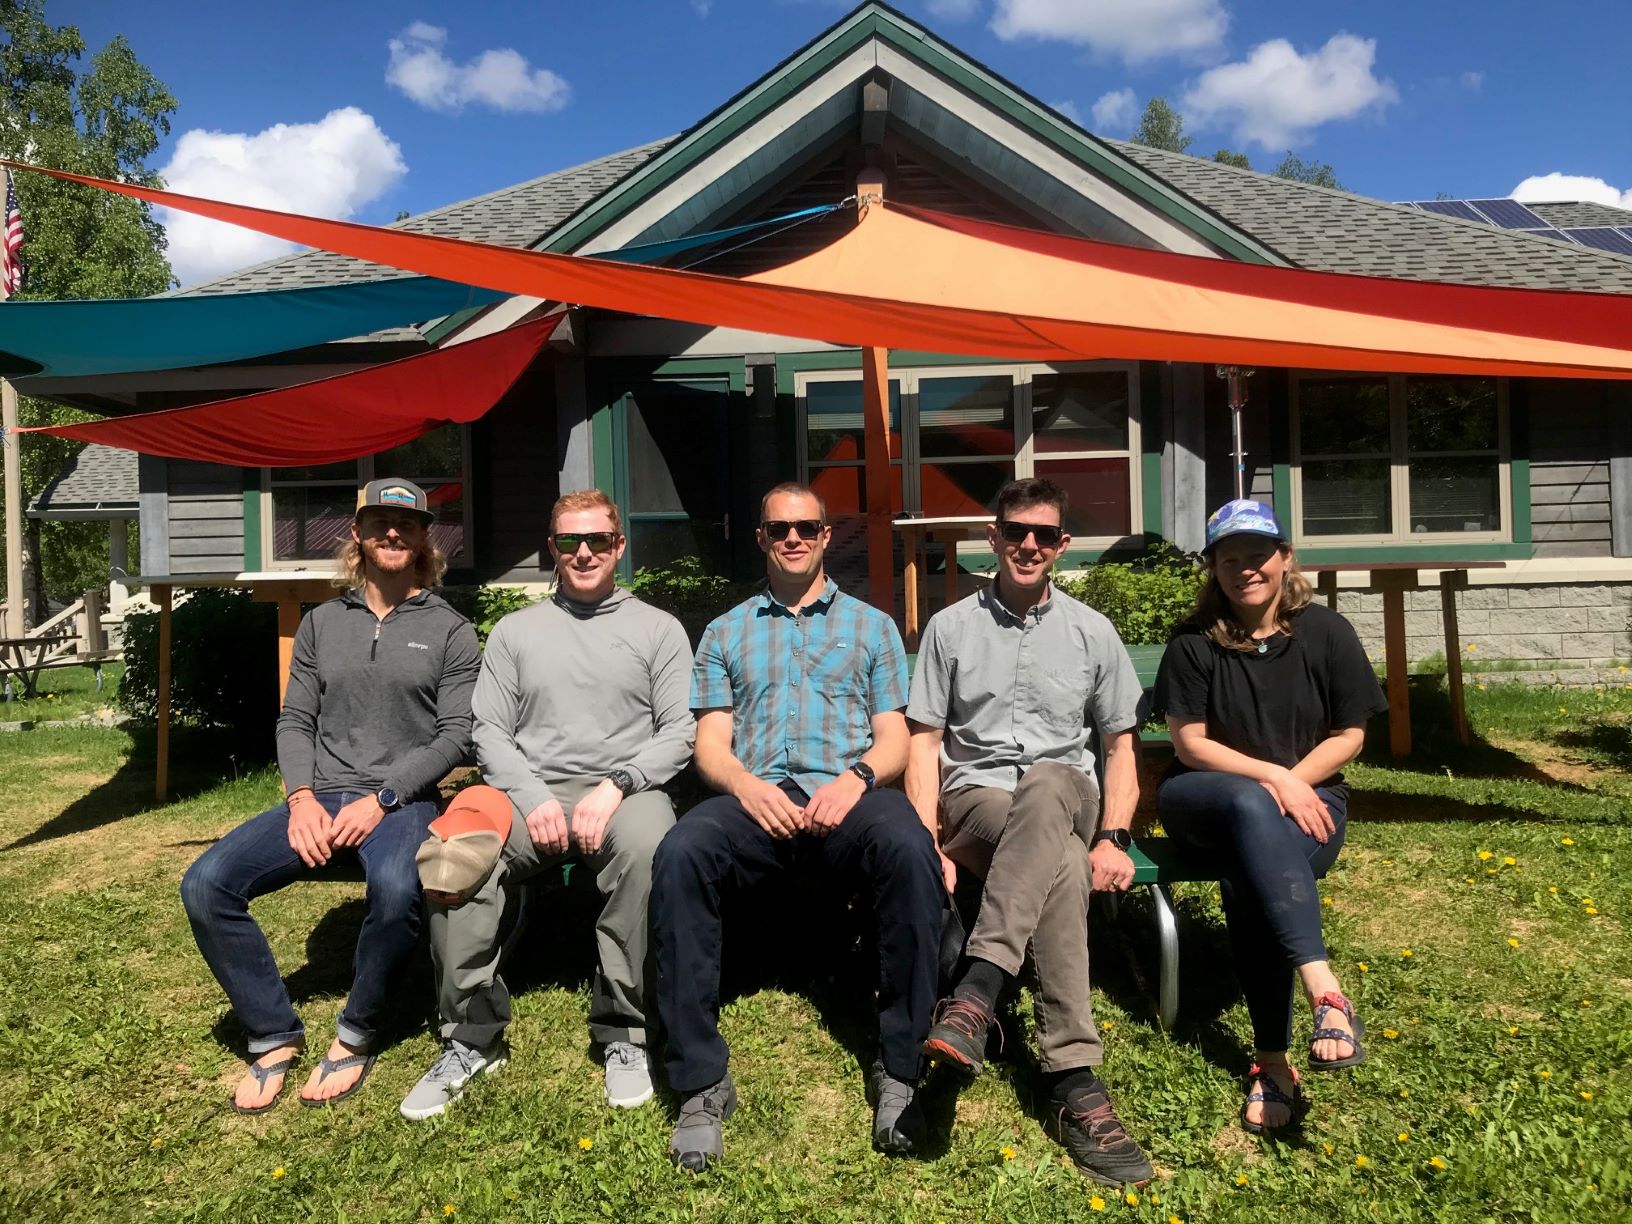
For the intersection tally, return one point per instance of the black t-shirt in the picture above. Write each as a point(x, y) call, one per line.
point(1276, 706)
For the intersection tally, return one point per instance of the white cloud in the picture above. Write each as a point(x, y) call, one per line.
point(1136, 30)
point(501, 78)
point(1116, 111)
point(1276, 96)
point(952, 10)
point(1473, 82)
point(328, 169)
point(702, 7)
point(1556, 186)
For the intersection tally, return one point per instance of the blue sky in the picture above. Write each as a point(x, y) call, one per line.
point(363, 109)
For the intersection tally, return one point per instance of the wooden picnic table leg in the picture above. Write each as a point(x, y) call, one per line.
point(909, 584)
point(161, 774)
point(1451, 581)
point(1395, 583)
point(1326, 581)
point(288, 623)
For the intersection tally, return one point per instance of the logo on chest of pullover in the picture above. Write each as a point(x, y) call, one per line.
point(418, 646)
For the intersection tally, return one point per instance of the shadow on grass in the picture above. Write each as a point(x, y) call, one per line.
point(200, 760)
point(1612, 741)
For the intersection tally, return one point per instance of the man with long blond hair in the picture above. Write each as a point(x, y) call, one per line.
point(581, 716)
point(376, 713)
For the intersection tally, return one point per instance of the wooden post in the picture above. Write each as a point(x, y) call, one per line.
point(161, 777)
point(1326, 581)
point(16, 623)
point(911, 542)
point(94, 637)
point(875, 400)
point(1451, 581)
point(1394, 584)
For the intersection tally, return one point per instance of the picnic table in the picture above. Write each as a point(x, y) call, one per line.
point(916, 531)
point(23, 658)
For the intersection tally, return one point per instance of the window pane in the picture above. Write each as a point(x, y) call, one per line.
point(448, 532)
point(308, 524)
point(438, 453)
point(1081, 411)
point(1346, 497)
point(843, 490)
point(1098, 493)
point(962, 488)
point(346, 473)
point(658, 542)
point(678, 451)
point(973, 415)
point(1343, 416)
point(1451, 414)
point(834, 425)
point(1455, 495)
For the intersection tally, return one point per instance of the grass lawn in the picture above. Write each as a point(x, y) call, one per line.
point(1477, 916)
point(63, 693)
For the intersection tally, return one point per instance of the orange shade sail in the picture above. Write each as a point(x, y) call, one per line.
point(929, 282)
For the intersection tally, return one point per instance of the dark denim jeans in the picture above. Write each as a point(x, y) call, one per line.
point(1267, 871)
point(255, 859)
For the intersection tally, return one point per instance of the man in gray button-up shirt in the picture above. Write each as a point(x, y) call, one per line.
point(1009, 683)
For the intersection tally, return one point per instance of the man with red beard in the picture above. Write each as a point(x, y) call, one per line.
point(376, 713)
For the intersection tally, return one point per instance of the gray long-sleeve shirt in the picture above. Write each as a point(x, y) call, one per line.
point(575, 691)
point(375, 702)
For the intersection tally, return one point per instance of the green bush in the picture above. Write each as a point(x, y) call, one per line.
point(690, 592)
point(486, 606)
point(224, 665)
point(1144, 598)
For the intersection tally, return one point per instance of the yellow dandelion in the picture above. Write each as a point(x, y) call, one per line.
point(1486, 855)
point(1586, 1002)
point(1480, 687)
point(1563, 710)
point(1490, 871)
point(157, 1142)
point(1241, 1180)
point(1566, 841)
point(1388, 862)
point(1329, 1148)
point(1096, 1204)
point(1131, 1199)
point(1403, 1137)
point(1513, 1031)
point(586, 1143)
point(1108, 1025)
point(1545, 1074)
point(1325, 900)
point(277, 1173)
point(1512, 943)
point(1361, 1162)
point(1155, 1198)
point(1405, 1092)
point(1468, 880)
point(1586, 1096)
point(1007, 1152)
point(1510, 861)
point(1438, 1163)
point(447, 1209)
point(1591, 909)
point(1405, 951)
point(1586, 901)
point(1173, 1219)
point(1553, 889)
point(1391, 1033)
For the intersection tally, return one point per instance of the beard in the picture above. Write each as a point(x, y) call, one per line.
point(390, 561)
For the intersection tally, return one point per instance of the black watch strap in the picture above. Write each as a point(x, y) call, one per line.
point(623, 780)
point(1120, 838)
point(864, 771)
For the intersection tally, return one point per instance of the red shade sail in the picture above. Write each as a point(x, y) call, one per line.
point(938, 284)
point(333, 419)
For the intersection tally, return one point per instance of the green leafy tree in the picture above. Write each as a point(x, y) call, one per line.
point(1161, 127)
point(104, 119)
point(1231, 158)
point(1318, 174)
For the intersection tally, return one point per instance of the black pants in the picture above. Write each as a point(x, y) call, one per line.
point(717, 849)
point(1267, 871)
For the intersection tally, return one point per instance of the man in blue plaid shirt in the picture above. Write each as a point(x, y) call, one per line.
point(799, 693)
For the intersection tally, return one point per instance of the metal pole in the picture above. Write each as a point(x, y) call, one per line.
point(16, 624)
point(1236, 377)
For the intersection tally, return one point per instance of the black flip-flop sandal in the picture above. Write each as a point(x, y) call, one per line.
point(1270, 1093)
point(328, 1066)
point(1328, 1002)
point(262, 1074)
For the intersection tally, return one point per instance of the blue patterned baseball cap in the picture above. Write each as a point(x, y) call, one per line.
point(1243, 517)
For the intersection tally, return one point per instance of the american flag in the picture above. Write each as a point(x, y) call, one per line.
point(11, 243)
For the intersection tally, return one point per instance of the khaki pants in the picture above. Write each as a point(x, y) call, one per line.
point(466, 939)
point(1030, 846)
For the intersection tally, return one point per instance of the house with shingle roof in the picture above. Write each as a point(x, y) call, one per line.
point(685, 425)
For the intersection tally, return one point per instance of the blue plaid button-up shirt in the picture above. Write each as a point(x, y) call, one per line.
point(802, 690)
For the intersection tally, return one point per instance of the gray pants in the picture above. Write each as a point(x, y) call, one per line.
point(466, 941)
point(1030, 846)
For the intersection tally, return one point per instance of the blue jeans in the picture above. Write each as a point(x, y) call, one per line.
point(255, 859)
point(1267, 871)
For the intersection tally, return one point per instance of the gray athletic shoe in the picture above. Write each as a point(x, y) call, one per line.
point(441, 1085)
point(628, 1075)
point(698, 1141)
point(898, 1125)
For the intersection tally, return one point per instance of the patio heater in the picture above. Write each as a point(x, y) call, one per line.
point(1236, 377)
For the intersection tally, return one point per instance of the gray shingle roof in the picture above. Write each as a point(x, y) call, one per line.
point(1580, 214)
point(513, 216)
point(1334, 231)
point(98, 478)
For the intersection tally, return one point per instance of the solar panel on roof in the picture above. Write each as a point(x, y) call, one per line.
point(1603, 238)
point(1450, 208)
point(1509, 214)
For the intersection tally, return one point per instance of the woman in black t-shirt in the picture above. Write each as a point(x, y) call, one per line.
point(1267, 695)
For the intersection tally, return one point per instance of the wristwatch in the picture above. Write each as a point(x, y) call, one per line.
point(388, 798)
point(865, 772)
point(1120, 838)
point(623, 780)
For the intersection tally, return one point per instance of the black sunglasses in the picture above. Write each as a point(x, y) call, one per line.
point(567, 542)
point(777, 529)
point(1048, 536)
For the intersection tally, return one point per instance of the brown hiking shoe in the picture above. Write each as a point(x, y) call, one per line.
point(958, 1035)
point(1093, 1135)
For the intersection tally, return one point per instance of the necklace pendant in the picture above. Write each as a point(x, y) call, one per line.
point(1263, 646)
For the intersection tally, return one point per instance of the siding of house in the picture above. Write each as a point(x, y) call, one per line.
point(205, 517)
point(1569, 468)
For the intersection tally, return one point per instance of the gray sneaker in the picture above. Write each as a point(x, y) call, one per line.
point(698, 1141)
point(441, 1085)
point(898, 1125)
point(628, 1075)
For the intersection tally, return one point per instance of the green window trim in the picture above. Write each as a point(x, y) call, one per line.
point(252, 520)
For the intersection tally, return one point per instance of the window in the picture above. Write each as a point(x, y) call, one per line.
point(958, 435)
point(308, 510)
point(1398, 459)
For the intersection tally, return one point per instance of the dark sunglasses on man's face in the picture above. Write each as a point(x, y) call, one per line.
point(777, 529)
point(1048, 536)
point(567, 542)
